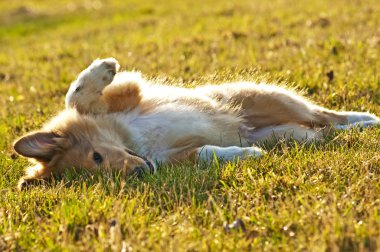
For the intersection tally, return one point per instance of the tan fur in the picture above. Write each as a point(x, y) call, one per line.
point(264, 105)
point(71, 140)
point(113, 113)
point(121, 97)
point(261, 105)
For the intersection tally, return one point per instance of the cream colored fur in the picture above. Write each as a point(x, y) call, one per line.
point(133, 124)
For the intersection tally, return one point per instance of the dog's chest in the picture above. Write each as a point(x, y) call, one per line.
point(162, 132)
point(156, 134)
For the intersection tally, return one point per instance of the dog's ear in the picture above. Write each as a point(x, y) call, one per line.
point(39, 145)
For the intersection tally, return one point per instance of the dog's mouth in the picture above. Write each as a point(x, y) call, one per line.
point(147, 162)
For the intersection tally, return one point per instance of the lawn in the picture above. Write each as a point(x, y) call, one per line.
point(323, 197)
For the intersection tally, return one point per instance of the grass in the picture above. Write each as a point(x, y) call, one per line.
point(316, 198)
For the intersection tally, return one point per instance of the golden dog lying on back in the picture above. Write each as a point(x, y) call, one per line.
point(123, 122)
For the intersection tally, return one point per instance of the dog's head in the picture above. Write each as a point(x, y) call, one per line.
point(72, 140)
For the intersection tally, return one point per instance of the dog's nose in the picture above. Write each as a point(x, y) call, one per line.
point(139, 171)
point(147, 162)
point(150, 165)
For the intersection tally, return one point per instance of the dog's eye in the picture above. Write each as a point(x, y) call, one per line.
point(77, 89)
point(97, 158)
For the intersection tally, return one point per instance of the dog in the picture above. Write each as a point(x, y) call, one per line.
point(120, 121)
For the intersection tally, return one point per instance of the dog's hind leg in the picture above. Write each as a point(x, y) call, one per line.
point(267, 105)
point(364, 122)
point(272, 134)
point(274, 106)
point(300, 133)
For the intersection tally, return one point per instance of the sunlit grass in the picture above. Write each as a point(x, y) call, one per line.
point(315, 198)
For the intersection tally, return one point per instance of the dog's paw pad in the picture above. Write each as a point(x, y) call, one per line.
point(104, 69)
point(111, 65)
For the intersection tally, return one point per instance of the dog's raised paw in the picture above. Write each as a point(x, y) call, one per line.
point(111, 65)
point(104, 70)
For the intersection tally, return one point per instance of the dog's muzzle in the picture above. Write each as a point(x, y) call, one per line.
point(140, 170)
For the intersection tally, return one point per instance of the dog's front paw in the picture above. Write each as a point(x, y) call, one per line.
point(254, 151)
point(102, 71)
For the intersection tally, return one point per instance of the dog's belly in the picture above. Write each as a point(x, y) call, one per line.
point(168, 129)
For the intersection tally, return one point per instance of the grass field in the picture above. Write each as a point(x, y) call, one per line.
point(303, 198)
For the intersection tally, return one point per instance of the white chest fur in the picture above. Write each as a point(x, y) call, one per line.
point(154, 134)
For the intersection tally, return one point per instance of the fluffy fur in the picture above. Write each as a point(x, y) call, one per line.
point(122, 121)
